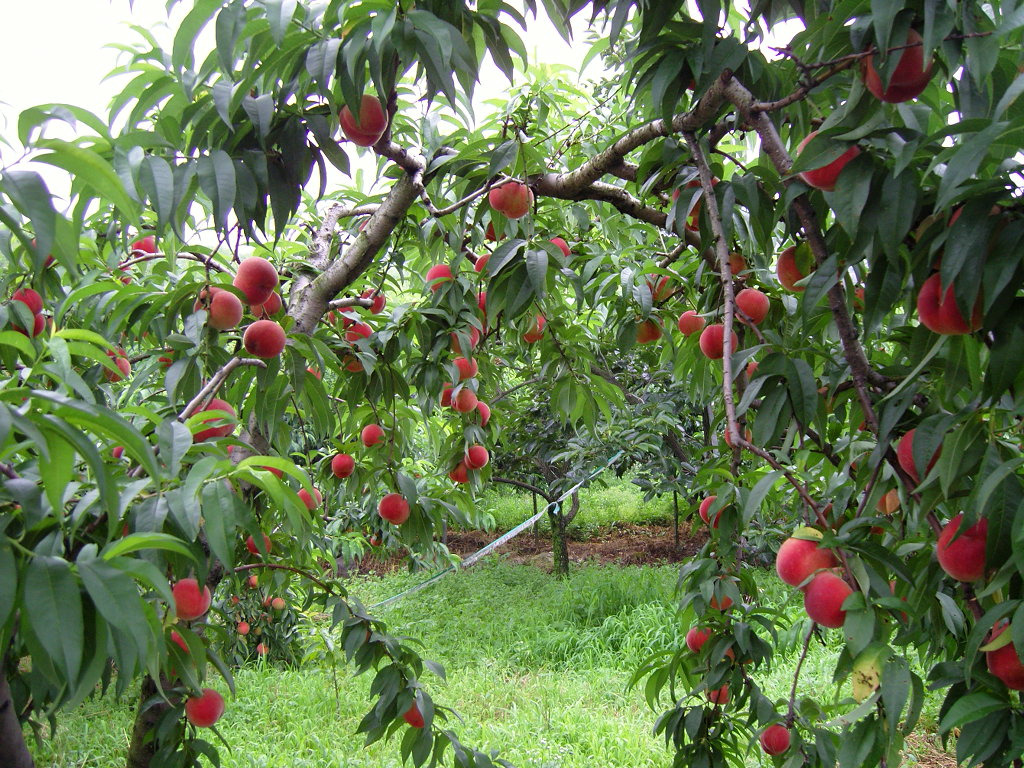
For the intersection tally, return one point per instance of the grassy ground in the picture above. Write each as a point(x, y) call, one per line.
point(600, 507)
point(536, 667)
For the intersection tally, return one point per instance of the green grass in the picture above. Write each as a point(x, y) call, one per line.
point(537, 668)
point(601, 508)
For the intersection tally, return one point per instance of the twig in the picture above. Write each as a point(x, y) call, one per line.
point(672, 256)
point(725, 272)
point(189, 255)
point(791, 714)
point(507, 392)
point(439, 212)
point(215, 383)
point(278, 567)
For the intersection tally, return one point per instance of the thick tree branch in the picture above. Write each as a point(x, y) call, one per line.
point(573, 182)
point(321, 251)
point(672, 256)
point(313, 294)
point(350, 302)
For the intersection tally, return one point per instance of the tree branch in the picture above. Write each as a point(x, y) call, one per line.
point(215, 383)
point(573, 182)
point(725, 272)
point(860, 370)
point(315, 293)
point(525, 486)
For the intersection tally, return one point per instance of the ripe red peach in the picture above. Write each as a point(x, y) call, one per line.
point(446, 397)
point(799, 558)
point(659, 287)
point(378, 299)
point(696, 637)
point(343, 465)
point(413, 717)
point(371, 435)
point(824, 177)
point(712, 341)
point(224, 308)
point(774, 739)
point(145, 244)
point(30, 298)
point(460, 474)
point(358, 331)
point(963, 558)
point(485, 412)
point(705, 505)
point(824, 597)
point(466, 366)
point(938, 310)
point(1005, 662)
point(311, 501)
point(512, 199)
point(908, 80)
point(215, 404)
point(476, 457)
point(268, 308)
point(465, 401)
point(905, 455)
point(372, 122)
point(788, 272)
point(753, 303)
point(264, 339)
point(123, 364)
point(189, 601)
point(536, 332)
point(690, 323)
point(394, 508)
point(647, 331)
point(438, 274)
point(250, 544)
point(562, 246)
point(204, 710)
point(256, 278)
point(719, 695)
point(474, 339)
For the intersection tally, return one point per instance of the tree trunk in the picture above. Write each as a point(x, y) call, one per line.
point(13, 750)
point(559, 546)
point(141, 749)
point(559, 540)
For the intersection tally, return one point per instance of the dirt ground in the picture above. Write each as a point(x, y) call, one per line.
point(625, 544)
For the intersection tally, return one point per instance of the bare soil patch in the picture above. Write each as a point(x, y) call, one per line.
point(624, 544)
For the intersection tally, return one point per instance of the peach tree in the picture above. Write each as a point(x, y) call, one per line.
point(806, 214)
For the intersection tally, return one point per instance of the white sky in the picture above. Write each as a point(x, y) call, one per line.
point(68, 58)
point(72, 65)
